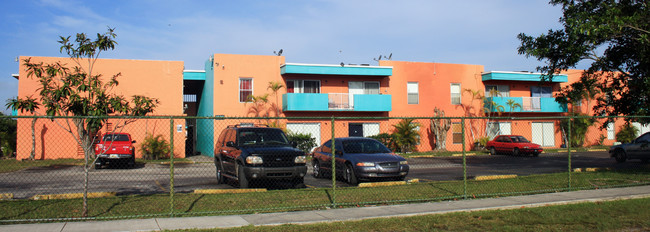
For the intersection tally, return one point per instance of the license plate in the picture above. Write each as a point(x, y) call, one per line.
point(113, 156)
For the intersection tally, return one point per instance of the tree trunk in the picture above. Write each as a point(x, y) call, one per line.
point(32, 155)
point(86, 144)
point(439, 127)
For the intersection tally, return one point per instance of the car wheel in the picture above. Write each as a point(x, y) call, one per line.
point(219, 174)
point(350, 177)
point(493, 151)
point(620, 156)
point(515, 151)
point(132, 162)
point(243, 181)
point(535, 154)
point(299, 183)
point(317, 173)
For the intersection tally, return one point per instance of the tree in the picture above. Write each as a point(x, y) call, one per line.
point(615, 37)
point(79, 91)
point(440, 126)
point(8, 128)
point(275, 86)
point(406, 135)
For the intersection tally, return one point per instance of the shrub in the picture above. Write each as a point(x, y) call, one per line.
point(155, 147)
point(627, 133)
point(387, 139)
point(304, 141)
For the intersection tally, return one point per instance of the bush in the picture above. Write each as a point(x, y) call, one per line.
point(304, 141)
point(155, 147)
point(387, 139)
point(627, 133)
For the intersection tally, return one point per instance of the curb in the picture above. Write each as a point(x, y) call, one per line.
point(495, 177)
point(387, 183)
point(222, 191)
point(72, 195)
point(466, 154)
point(6, 196)
point(591, 169)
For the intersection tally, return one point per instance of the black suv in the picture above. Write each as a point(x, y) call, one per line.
point(248, 153)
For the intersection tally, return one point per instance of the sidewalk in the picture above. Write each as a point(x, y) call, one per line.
point(304, 217)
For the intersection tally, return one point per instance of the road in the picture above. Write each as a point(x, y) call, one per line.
point(155, 178)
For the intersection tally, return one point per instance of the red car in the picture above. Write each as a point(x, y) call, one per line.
point(513, 144)
point(115, 148)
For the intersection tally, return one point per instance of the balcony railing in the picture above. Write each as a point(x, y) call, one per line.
point(525, 104)
point(336, 102)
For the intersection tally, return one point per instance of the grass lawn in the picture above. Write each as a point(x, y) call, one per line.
point(622, 215)
point(190, 204)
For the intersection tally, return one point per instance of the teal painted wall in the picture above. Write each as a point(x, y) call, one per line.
point(304, 102)
point(367, 102)
point(205, 127)
point(547, 104)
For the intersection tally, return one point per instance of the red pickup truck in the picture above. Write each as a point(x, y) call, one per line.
point(115, 148)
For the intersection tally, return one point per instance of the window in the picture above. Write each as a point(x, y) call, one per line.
point(541, 91)
point(497, 91)
point(370, 87)
point(610, 131)
point(457, 133)
point(412, 92)
point(303, 86)
point(455, 94)
point(245, 89)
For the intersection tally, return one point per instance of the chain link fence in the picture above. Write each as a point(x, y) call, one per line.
point(174, 171)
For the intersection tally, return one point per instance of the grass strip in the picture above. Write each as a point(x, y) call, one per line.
point(191, 204)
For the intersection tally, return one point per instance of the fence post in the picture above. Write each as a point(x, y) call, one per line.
point(171, 167)
point(333, 165)
point(569, 150)
point(462, 126)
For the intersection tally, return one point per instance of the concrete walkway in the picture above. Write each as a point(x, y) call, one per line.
point(343, 214)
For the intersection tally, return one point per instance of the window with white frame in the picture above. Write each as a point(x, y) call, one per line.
point(610, 131)
point(497, 91)
point(455, 94)
point(371, 87)
point(303, 86)
point(245, 89)
point(412, 91)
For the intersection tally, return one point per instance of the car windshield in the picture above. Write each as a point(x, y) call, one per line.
point(253, 137)
point(364, 146)
point(116, 137)
point(518, 139)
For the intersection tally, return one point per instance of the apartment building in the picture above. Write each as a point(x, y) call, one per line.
point(363, 95)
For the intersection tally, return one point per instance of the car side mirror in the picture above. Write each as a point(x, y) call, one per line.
point(294, 144)
point(339, 153)
point(230, 144)
point(133, 141)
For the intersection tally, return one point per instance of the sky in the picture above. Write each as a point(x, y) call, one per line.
point(482, 32)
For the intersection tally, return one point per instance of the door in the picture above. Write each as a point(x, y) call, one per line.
point(354, 87)
point(355, 130)
point(543, 133)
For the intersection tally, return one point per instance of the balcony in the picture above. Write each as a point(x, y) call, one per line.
point(336, 102)
point(528, 104)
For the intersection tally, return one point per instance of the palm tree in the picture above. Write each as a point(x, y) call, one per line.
point(258, 108)
point(275, 86)
point(406, 134)
point(512, 105)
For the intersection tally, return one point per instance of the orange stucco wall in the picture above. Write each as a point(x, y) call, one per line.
point(162, 80)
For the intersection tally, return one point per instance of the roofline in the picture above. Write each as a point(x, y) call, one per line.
point(335, 65)
point(522, 72)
